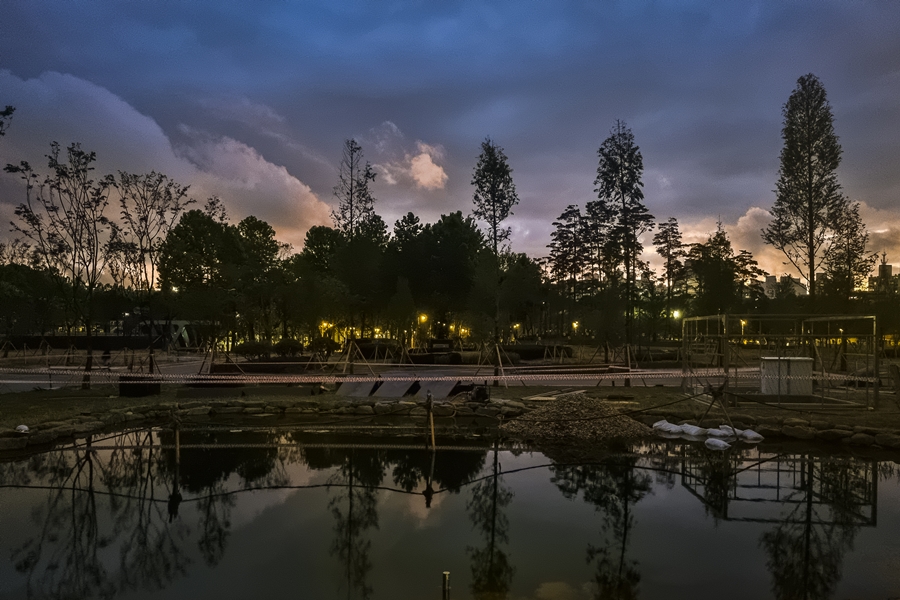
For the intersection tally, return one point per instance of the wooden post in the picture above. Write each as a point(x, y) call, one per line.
point(877, 366)
point(429, 405)
point(445, 586)
point(431, 423)
point(627, 382)
point(726, 354)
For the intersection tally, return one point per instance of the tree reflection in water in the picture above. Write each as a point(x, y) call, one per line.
point(613, 487)
point(806, 550)
point(134, 515)
point(64, 561)
point(353, 504)
point(492, 571)
point(817, 504)
point(118, 500)
point(111, 521)
point(152, 552)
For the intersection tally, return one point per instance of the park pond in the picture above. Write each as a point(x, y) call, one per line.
point(242, 513)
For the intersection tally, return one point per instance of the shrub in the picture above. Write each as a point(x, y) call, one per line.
point(254, 350)
point(288, 347)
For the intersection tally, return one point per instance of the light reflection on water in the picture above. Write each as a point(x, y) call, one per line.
point(256, 514)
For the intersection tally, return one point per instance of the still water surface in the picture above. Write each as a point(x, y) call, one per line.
point(266, 515)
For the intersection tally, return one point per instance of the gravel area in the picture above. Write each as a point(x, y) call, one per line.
point(575, 419)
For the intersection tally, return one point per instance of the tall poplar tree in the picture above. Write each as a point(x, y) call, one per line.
point(619, 192)
point(808, 197)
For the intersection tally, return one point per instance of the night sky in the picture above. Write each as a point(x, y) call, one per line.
point(252, 101)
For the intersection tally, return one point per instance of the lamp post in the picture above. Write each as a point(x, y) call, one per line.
point(423, 318)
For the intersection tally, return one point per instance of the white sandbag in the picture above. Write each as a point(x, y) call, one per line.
point(719, 433)
point(666, 427)
point(693, 430)
point(728, 429)
point(22, 428)
point(715, 444)
point(748, 435)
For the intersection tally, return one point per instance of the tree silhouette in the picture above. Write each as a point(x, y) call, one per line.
point(619, 182)
point(356, 205)
point(568, 252)
point(720, 277)
point(808, 196)
point(495, 195)
point(671, 249)
point(847, 261)
point(64, 219)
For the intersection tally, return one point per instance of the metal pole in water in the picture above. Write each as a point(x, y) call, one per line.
point(429, 404)
point(445, 586)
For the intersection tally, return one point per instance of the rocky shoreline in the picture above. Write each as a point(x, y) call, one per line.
point(580, 416)
point(152, 413)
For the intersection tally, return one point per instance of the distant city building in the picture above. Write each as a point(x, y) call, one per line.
point(770, 286)
point(885, 279)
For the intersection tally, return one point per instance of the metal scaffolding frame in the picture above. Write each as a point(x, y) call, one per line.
point(844, 350)
point(739, 487)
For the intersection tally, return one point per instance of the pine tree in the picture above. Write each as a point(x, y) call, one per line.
point(603, 254)
point(619, 191)
point(495, 195)
point(356, 205)
point(808, 196)
point(495, 192)
point(567, 250)
point(721, 278)
point(847, 262)
point(670, 247)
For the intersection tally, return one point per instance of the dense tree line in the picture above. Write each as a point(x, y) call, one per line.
point(75, 267)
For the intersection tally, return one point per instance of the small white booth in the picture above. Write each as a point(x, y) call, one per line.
point(786, 376)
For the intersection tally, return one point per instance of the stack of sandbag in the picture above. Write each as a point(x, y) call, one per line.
point(715, 437)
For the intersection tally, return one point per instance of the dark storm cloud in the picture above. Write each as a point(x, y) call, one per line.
point(701, 84)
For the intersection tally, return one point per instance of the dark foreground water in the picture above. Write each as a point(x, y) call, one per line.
point(264, 515)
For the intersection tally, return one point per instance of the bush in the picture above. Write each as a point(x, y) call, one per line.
point(255, 350)
point(288, 347)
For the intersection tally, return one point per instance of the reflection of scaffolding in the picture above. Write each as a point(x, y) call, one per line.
point(843, 350)
point(840, 490)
